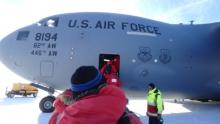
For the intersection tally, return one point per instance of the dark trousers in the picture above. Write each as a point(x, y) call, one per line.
point(153, 120)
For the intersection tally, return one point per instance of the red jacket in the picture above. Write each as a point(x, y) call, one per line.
point(134, 119)
point(113, 68)
point(113, 80)
point(106, 107)
point(111, 77)
point(59, 107)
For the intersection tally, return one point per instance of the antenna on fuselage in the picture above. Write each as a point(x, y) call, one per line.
point(191, 22)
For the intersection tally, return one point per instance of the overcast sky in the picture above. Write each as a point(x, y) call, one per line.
point(18, 13)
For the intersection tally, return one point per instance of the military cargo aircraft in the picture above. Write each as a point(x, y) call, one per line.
point(181, 59)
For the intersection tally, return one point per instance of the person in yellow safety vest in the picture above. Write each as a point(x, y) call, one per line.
point(154, 105)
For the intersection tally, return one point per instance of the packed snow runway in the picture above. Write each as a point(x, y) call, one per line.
point(25, 110)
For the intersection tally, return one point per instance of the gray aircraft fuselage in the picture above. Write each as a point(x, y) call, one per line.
point(182, 60)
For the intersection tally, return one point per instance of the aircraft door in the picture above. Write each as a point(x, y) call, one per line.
point(109, 65)
point(46, 68)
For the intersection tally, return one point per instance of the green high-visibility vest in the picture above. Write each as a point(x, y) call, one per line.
point(154, 97)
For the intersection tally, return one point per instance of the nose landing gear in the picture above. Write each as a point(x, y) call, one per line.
point(46, 104)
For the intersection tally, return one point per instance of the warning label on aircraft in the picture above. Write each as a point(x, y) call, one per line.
point(112, 25)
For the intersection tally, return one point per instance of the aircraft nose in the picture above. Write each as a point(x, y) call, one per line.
point(8, 50)
point(3, 50)
point(0, 48)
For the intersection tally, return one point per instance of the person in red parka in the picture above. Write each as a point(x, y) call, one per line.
point(110, 72)
point(129, 117)
point(94, 101)
point(62, 101)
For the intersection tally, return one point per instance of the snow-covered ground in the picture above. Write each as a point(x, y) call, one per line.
point(21, 110)
point(184, 112)
point(25, 110)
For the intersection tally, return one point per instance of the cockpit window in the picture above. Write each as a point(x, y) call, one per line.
point(49, 22)
point(23, 35)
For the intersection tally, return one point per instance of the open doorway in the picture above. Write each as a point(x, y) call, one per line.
point(106, 58)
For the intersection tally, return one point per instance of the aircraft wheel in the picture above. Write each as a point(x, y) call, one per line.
point(216, 100)
point(46, 104)
point(175, 101)
point(203, 100)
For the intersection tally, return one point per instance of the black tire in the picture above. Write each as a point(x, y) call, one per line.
point(216, 100)
point(10, 95)
point(34, 95)
point(25, 93)
point(203, 100)
point(46, 104)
